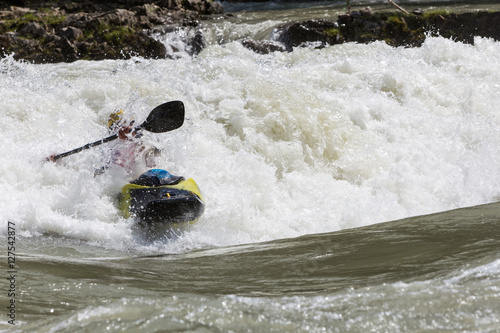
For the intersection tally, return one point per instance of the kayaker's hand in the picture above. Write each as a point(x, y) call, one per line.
point(124, 131)
point(51, 158)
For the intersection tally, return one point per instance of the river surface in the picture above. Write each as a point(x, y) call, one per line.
point(353, 188)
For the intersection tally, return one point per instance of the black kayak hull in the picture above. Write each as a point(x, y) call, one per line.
point(173, 201)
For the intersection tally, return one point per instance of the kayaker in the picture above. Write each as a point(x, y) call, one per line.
point(129, 152)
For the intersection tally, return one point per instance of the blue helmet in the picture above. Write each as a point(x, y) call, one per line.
point(157, 173)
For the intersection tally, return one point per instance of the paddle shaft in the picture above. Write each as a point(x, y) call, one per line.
point(87, 146)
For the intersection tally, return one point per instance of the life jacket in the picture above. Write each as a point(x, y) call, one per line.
point(127, 154)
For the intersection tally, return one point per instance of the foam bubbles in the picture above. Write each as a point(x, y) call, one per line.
point(281, 145)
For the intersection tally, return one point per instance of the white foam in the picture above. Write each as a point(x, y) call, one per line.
point(281, 145)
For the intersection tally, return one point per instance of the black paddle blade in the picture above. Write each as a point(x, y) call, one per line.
point(165, 117)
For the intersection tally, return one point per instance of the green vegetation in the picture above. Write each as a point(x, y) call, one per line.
point(17, 23)
point(397, 21)
point(332, 31)
point(29, 17)
point(14, 24)
point(118, 34)
point(435, 13)
point(109, 33)
point(54, 20)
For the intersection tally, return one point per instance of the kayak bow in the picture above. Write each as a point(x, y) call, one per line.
point(159, 197)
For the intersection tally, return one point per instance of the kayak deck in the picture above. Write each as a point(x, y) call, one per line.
point(173, 200)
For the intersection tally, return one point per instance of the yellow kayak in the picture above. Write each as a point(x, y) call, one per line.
point(159, 197)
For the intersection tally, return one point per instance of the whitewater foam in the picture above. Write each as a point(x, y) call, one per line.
point(281, 145)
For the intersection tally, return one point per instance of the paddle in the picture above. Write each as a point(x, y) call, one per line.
point(163, 118)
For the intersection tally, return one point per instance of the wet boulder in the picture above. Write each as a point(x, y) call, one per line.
point(263, 47)
point(318, 33)
point(71, 33)
point(33, 29)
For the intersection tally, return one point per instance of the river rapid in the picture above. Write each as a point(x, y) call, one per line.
point(353, 188)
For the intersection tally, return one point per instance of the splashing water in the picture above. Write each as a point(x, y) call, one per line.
point(281, 145)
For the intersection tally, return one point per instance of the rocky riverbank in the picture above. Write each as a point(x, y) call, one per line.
point(407, 29)
point(65, 31)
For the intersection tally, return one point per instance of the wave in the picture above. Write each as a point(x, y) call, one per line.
point(438, 270)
